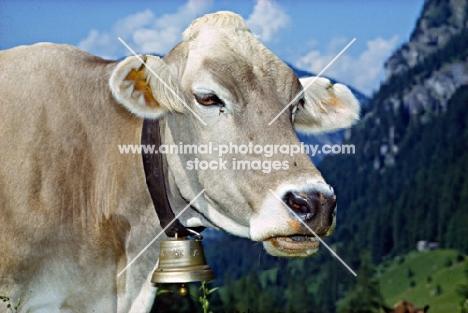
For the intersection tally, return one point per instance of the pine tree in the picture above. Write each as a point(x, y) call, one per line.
point(462, 290)
point(300, 300)
point(327, 292)
point(365, 297)
point(252, 291)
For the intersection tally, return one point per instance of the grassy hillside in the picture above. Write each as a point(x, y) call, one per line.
point(417, 275)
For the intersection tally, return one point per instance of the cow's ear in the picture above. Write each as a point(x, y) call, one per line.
point(326, 107)
point(147, 89)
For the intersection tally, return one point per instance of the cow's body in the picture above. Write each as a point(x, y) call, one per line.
point(74, 211)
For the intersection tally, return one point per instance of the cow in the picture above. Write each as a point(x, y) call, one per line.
point(75, 210)
point(405, 307)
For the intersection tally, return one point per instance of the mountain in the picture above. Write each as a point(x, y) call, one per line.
point(438, 23)
point(407, 180)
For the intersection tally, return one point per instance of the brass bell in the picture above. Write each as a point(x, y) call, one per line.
point(181, 261)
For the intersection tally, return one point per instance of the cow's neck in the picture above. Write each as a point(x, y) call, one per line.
point(156, 181)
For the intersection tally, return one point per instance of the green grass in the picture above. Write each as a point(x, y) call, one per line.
point(395, 283)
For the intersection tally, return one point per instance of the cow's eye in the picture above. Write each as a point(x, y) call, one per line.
point(301, 103)
point(209, 99)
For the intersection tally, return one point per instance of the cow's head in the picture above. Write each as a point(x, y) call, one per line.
point(227, 78)
point(405, 307)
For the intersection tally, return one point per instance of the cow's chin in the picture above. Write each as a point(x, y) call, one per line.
point(292, 246)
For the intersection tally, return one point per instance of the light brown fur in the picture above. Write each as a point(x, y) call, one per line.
point(66, 193)
point(405, 307)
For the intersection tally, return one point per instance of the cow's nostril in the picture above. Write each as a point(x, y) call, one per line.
point(300, 204)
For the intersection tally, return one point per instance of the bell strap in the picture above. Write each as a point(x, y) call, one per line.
point(153, 164)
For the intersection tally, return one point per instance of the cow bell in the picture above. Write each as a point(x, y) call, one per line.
point(181, 261)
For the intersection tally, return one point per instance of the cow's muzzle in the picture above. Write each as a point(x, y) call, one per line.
point(316, 208)
point(295, 230)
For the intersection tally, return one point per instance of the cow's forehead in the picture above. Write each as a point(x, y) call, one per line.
point(237, 58)
point(239, 45)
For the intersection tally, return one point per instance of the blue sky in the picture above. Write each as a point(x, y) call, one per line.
point(306, 34)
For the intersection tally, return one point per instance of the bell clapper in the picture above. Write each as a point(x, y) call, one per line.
point(183, 291)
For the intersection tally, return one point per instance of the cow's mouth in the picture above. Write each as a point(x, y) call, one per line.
point(295, 244)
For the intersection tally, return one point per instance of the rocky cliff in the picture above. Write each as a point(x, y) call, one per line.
point(439, 22)
point(421, 77)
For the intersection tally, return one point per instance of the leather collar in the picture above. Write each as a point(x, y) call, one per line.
point(153, 164)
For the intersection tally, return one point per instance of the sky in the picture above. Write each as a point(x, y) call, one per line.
point(306, 34)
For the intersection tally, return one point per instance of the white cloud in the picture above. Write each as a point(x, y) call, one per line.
point(363, 72)
point(266, 19)
point(144, 32)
